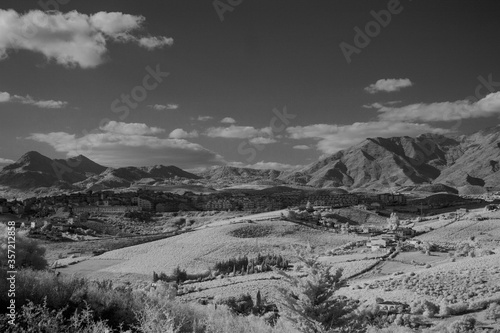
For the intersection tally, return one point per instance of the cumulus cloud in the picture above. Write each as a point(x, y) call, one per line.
point(44, 104)
point(388, 85)
point(265, 165)
point(237, 132)
point(71, 39)
point(262, 140)
point(179, 133)
point(332, 138)
point(4, 97)
point(117, 127)
point(152, 43)
point(228, 120)
point(301, 147)
point(130, 144)
point(4, 161)
point(161, 107)
point(444, 111)
point(204, 118)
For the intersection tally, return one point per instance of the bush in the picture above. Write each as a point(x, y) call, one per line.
point(28, 252)
point(39, 318)
point(465, 325)
point(493, 312)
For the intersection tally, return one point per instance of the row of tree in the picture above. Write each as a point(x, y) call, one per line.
point(261, 263)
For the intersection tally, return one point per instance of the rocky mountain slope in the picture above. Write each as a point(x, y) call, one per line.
point(33, 170)
point(406, 161)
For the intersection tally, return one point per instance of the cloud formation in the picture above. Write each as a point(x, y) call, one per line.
point(161, 107)
point(5, 161)
point(228, 120)
point(445, 111)
point(71, 39)
point(204, 118)
point(121, 144)
point(265, 165)
point(302, 147)
point(179, 133)
point(332, 138)
point(44, 104)
point(237, 132)
point(388, 85)
point(117, 127)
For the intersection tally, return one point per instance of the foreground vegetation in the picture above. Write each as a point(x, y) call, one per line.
point(47, 302)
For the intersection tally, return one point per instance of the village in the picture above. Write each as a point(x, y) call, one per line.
point(65, 216)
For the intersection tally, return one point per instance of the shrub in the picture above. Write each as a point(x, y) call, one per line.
point(464, 325)
point(39, 318)
point(28, 252)
point(493, 312)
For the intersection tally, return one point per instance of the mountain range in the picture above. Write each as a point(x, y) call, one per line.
point(453, 161)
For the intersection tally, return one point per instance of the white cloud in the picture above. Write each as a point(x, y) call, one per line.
point(204, 118)
point(388, 85)
point(4, 97)
point(179, 133)
point(71, 39)
point(445, 111)
point(130, 128)
point(44, 104)
point(161, 107)
point(262, 141)
point(301, 147)
point(152, 43)
point(265, 165)
point(375, 105)
point(6, 161)
point(122, 145)
point(332, 138)
point(237, 132)
point(228, 120)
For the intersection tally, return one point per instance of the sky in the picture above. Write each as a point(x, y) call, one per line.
point(262, 84)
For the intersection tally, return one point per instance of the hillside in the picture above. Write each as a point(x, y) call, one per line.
point(406, 161)
point(34, 170)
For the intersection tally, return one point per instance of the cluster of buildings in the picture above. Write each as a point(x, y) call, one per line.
point(158, 201)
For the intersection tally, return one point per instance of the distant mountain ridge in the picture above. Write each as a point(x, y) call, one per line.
point(34, 170)
point(406, 161)
point(379, 163)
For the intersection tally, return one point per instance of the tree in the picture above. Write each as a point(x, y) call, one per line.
point(493, 312)
point(464, 325)
point(311, 304)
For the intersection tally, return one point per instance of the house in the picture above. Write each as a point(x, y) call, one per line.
point(378, 243)
point(144, 204)
point(405, 232)
point(392, 307)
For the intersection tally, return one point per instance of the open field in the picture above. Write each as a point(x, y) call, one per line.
point(486, 232)
point(199, 250)
point(467, 280)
